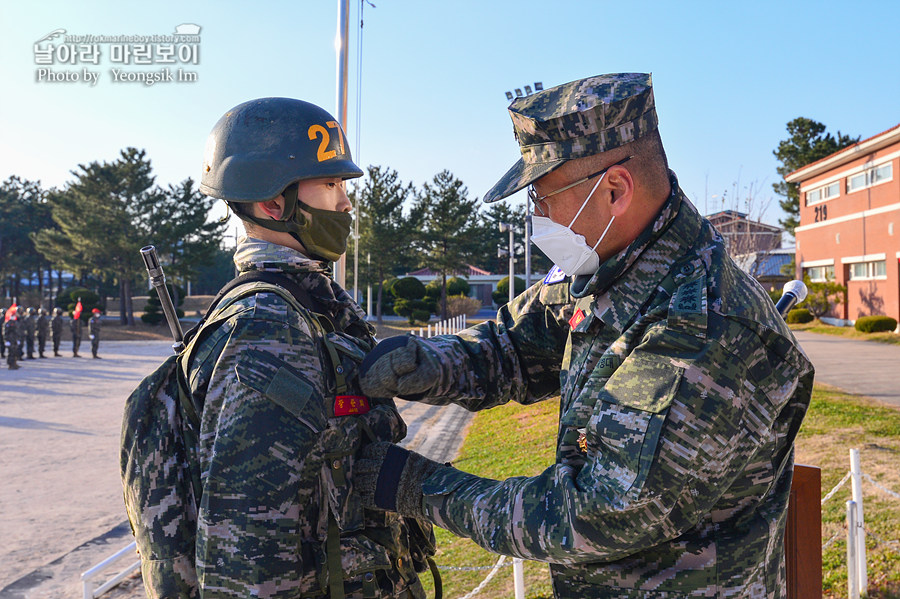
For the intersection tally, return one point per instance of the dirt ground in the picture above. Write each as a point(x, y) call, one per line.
point(60, 421)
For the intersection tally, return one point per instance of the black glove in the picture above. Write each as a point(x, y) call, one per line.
point(400, 366)
point(390, 478)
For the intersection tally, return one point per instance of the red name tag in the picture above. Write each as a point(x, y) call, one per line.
point(576, 319)
point(349, 405)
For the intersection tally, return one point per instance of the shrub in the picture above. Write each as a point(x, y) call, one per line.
point(415, 310)
point(822, 297)
point(457, 286)
point(875, 324)
point(409, 288)
point(433, 289)
point(89, 301)
point(798, 316)
point(460, 304)
point(501, 296)
point(388, 286)
point(419, 316)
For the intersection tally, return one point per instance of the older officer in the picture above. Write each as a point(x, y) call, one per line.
point(681, 387)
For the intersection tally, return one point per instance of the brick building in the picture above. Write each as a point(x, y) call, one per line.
point(744, 236)
point(850, 225)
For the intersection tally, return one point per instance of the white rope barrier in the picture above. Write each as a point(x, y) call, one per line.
point(488, 578)
point(836, 488)
point(881, 487)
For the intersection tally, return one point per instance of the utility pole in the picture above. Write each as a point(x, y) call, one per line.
point(538, 86)
point(341, 45)
point(504, 227)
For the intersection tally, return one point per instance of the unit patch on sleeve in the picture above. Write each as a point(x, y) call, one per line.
point(555, 275)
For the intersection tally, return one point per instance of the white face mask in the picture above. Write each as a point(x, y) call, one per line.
point(564, 246)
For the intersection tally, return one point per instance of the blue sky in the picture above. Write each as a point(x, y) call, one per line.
point(727, 77)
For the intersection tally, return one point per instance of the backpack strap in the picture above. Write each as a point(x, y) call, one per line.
point(273, 282)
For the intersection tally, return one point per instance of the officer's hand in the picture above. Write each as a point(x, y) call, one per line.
point(405, 366)
point(389, 477)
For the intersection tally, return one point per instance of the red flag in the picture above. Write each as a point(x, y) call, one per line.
point(77, 314)
point(10, 312)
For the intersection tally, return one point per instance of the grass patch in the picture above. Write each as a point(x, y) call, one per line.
point(510, 440)
point(514, 440)
point(821, 328)
point(836, 423)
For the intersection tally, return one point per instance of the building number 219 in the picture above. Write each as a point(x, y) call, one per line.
point(821, 213)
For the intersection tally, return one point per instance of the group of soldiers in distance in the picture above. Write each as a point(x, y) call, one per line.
point(25, 330)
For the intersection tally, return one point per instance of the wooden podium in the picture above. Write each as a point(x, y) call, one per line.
point(803, 535)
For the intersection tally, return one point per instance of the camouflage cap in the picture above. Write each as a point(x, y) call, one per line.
point(574, 120)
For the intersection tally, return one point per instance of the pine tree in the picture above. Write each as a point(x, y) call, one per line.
point(449, 221)
point(385, 233)
point(807, 143)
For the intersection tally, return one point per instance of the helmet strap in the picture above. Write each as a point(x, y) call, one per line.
point(287, 222)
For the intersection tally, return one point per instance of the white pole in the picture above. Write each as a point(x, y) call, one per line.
point(527, 241)
point(852, 570)
point(519, 577)
point(342, 47)
point(856, 482)
point(429, 330)
point(512, 267)
point(369, 287)
point(420, 332)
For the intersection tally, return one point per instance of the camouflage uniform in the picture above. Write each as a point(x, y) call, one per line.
point(56, 332)
point(94, 326)
point(28, 330)
point(276, 461)
point(76, 326)
point(43, 329)
point(682, 391)
point(11, 336)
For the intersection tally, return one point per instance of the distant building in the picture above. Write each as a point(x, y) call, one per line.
point(744, 236)
point(481, 282)
point(850, 225)
point(767, 267)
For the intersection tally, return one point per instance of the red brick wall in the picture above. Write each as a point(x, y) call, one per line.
point(864, 236)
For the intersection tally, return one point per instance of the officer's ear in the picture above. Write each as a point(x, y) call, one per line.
point(273, 208)
point(620, 185)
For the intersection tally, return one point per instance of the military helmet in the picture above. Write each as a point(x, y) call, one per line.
point(31, 311)
point(260, 147)
point(57, 311)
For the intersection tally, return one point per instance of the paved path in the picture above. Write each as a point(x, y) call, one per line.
point(862, 367)
point(61, 508)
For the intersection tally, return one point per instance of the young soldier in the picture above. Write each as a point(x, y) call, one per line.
point(281, 415)
point(76, 326)
point(56, 330)
point(29, 326)
point(94, 331)
point(43, 328)
point(682, 388)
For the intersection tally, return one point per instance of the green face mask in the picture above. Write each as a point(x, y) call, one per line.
point(324, 234)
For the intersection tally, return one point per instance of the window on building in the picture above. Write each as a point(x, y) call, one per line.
point(856, 182)
point(868, 270)
point(820, 274)
point(872, 176)
point(882, 173)
point(820, 194)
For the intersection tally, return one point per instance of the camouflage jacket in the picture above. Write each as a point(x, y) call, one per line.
point(29, 323)
point(94, 326)
point(682, 391)
point(11, 331)
point(277, 447)
point(75, 325)
point(56, 325)
point(43, 326)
